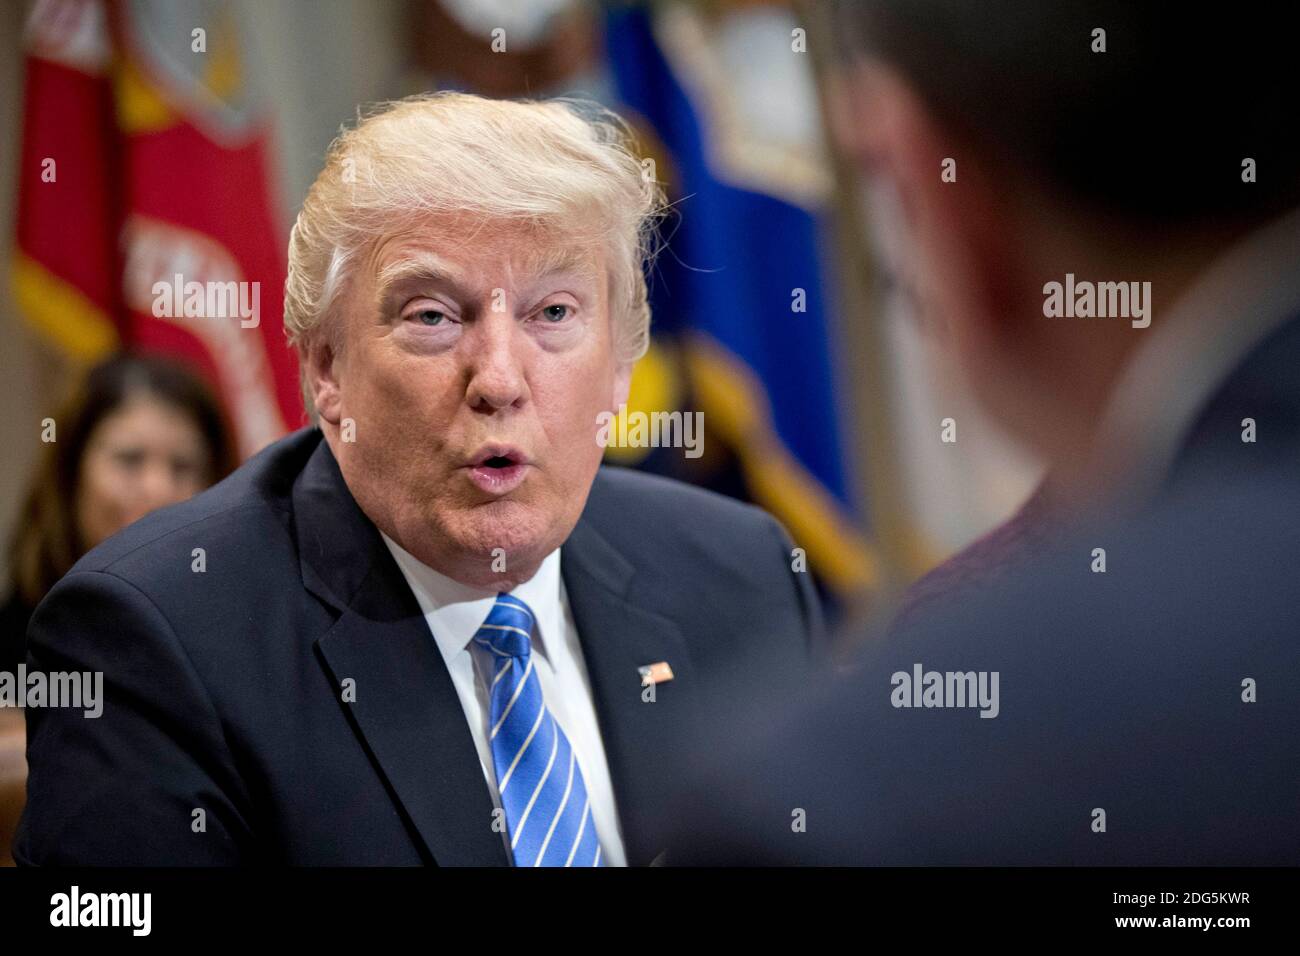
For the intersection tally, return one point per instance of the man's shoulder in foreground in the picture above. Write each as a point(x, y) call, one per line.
point(1140, 714)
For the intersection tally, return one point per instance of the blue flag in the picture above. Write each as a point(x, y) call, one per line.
point(740, 300)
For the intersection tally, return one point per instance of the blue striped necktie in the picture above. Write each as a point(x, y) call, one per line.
point(538, 777)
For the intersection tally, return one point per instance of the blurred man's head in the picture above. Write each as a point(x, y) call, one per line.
point(1117, 166)
point(466, 289)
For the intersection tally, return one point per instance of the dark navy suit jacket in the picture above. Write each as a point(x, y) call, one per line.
point(223, 688)
point(1123, 695)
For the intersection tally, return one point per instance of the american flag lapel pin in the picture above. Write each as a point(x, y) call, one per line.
point(655, 673)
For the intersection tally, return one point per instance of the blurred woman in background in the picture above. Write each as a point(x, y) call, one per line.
point(140, 433)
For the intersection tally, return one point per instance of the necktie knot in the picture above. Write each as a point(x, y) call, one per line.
point(508, 627)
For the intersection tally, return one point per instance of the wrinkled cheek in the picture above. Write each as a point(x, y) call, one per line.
point(380, 402)
point(580, 451)
point(424, 480)
point(391, 419)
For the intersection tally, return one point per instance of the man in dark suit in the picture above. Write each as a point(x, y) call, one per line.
point(1116, 679)
point(433, 629)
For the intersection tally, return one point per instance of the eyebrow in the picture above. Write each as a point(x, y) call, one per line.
point(428, 266)
point(421, 265)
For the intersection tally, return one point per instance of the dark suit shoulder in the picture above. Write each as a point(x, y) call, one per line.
point(644, 503)
point(216, 561)
point(239, 511)
point(693, 550)
point(688, 540)
point(1132, 690)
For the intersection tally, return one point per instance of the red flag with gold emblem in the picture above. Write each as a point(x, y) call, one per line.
point(145, 216)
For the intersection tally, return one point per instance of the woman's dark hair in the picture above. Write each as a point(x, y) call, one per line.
point(47, 542)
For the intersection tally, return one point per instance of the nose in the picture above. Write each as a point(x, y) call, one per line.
point(497, 377)
point(159, 486)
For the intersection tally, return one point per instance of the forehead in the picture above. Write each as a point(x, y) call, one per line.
point(148, 416)
point(472, 252)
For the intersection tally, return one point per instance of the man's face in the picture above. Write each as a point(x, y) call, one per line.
point(474, 361)
point(958, 244)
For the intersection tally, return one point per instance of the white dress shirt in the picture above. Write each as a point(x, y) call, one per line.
point(454, 613)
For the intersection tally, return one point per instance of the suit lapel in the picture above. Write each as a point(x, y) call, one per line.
point(406, 710)
point(618, 636)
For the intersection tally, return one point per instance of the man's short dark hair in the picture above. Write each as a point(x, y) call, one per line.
point(1154, 129)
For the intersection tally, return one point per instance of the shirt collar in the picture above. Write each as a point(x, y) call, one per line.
point(1233, 305)
point(456, 611)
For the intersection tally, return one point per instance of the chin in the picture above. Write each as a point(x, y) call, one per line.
point(525, 533)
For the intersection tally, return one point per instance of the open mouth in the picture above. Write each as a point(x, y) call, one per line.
point(498, 469)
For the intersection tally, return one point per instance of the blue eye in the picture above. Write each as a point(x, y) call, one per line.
point(549, 312)
point(430, 316)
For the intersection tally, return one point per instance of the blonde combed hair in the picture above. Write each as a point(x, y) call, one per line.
point(550, 164)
